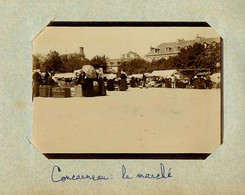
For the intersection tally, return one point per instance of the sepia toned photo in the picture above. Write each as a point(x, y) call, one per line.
point(127, 90)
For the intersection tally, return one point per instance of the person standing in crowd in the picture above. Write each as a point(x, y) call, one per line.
point(44, 77)
point(203, 82)
point(110, 84)
point(80, 80)
point(89, 83)
point(208, 82)
point(173, 81)
point(195, 82)
point(50, 79)
point(36, 83)
point(102, 89)
point(123, 83)
point(132, 82)
point(144, 80)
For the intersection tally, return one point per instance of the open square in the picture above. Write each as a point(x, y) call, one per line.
point(153, 120)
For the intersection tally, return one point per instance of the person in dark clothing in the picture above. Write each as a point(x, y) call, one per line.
point(44, 77)
point(102, 89)
point(89, 90)
point(168, 82)
point(195, 82)
point(110, 85)
point(50, 80)
point(82, 81)
point(123, 83)
point(144, 80)
point(209, 83)
point(132, 82)
point(202, 83)
point(36, 83)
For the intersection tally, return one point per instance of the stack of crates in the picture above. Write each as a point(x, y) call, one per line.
point(45, 91)
point(78, 91)
point(61, 92)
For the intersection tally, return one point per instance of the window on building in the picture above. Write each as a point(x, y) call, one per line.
point(169, 49)
point(156, 50)
point(177, 48)
point(205, 45)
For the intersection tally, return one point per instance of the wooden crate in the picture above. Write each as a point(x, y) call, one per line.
point(61, 92)
point(45, 91)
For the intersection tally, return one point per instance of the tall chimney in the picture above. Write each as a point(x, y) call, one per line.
point(82, 51)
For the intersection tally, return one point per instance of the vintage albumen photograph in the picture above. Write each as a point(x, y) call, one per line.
point(136, 90)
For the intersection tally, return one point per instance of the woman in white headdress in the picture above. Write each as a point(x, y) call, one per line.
point(102, 89)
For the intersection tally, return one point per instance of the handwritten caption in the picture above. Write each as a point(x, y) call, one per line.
point(57, 175)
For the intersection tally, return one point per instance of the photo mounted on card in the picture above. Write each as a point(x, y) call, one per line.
point(130, 90)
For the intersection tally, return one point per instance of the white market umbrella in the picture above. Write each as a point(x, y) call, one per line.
point(89, 71)
point(215, 77)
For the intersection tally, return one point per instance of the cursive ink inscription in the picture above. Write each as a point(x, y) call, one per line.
point(162, 175)
point(56, 175)
point(124, 171)
point(74, 177)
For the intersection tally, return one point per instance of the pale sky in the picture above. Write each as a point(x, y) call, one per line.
point(112, 41)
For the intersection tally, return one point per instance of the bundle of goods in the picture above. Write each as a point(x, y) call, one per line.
point(61, 92)
point(45, 91)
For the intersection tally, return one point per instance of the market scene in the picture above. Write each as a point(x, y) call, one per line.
point(91, 83)
point(173, 83)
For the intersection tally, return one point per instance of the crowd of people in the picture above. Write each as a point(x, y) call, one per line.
point(120, 83)
point(42, 78)
point(88, 84)
point(97, 85)
point(197, 82)
point(157, 81)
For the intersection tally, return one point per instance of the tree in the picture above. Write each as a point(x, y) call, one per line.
point(74, 62)
point(53, 62)
point(213, 57)
point(99, 62)
point(198, 56)
point(136, 66)
point(36, 64)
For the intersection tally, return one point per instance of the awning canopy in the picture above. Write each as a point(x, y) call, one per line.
point(165, 73)
point(110, 76)
point(65, 75)
point(203, 73)
point(139, 76)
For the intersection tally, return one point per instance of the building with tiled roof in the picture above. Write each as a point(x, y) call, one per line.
point(165, 50)
point(113, 64)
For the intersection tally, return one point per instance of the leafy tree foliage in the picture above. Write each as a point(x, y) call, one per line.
point(193, 57)
point(60, 63)
point(74, 62)
point(135, 66)
point(196, 56)
point(99, 62)
point(53, 62)
point(36, 64)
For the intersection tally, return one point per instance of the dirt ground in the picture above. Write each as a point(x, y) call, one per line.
point(154, 120)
